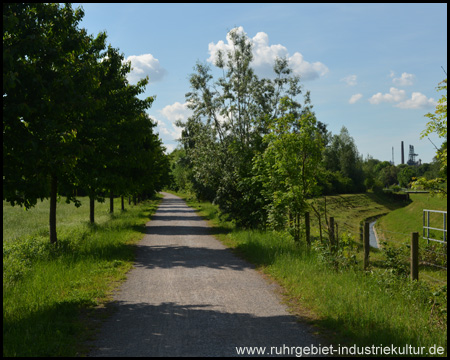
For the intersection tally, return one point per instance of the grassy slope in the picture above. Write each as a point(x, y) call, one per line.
point(404, 221)
point(350, 210)
point(396, 227)
point(46, 291)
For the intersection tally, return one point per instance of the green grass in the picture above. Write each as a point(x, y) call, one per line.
point(403, 221)
point(346, 305)
point(350, 210)
point(396, 227)
point(350, 307)
point(19, 222)
point(48, 290)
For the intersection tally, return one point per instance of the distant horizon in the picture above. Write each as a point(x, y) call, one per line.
point(373, 68)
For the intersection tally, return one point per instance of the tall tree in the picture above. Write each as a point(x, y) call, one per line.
point(96, 136)
point(288, 168)
point(127, 129)
point(48, 82)
point(230, 117)
point(437, 125)
point(341, 156)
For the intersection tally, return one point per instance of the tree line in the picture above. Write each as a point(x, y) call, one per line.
point(71, 120)
point(255, 148)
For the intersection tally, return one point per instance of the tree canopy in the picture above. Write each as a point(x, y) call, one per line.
point(70, 118)
point(437, 125)
point(231, 116)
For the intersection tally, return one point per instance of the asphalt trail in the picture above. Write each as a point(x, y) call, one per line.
point(190, 296)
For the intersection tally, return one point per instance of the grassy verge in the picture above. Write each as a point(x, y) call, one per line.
point(399, 224)
point(348, 306)
point(46, 289)
point(396, 227)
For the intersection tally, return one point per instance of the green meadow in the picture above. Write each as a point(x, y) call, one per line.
point(50, 293)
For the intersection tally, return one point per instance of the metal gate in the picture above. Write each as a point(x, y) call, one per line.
point(427, 226)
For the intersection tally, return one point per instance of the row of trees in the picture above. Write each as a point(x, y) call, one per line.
point(71, 120)
point(254, 146)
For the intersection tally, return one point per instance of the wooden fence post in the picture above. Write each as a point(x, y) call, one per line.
point(111, 202)
point(366, 244)
point(337, 236)
point(307, 229)
point(415, 256)
point(331, 233)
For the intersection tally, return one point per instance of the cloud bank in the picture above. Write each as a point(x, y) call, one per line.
point(417, 100)
point(394, 95)
point(264, 56)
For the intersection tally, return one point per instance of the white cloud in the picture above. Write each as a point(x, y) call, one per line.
point(355, 98)
point(162, 127)
point(176, 111)
point(171, 132)
point(307, 70)
point(171, 114)
point(350, 80)
point(264, 56)
point(417, 101)
point(394, 95)
point(404, 80)
point(143, 65)
point(169, 148)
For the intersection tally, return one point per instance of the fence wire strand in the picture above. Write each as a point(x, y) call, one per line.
point(383, 233)
point(433, 278)
point(430, 264)
point(384, 236)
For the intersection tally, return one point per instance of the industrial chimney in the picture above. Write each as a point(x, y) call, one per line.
point(403, 154)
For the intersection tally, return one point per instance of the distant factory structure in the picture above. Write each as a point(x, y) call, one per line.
point(411, 156)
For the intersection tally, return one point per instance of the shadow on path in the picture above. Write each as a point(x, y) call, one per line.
point(170, 256)
point(169, 329)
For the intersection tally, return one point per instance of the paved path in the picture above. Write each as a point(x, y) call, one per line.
point(190, 296)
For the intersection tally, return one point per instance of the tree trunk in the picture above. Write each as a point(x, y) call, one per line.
point(111, 202)
point(91, 208)
point(331, 234)
point(320, 221)
point(53, 197)
point(307, 229)
point(123, 205)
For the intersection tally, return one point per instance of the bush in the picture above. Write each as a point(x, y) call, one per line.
point(344, 257)
point(393, 260)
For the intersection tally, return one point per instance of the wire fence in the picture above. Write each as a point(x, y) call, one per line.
point(429, 256)
point(426, 257)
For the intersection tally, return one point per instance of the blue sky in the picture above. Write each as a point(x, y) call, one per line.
point(372, 68)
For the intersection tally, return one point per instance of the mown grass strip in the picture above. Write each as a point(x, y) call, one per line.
point(47, 290)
